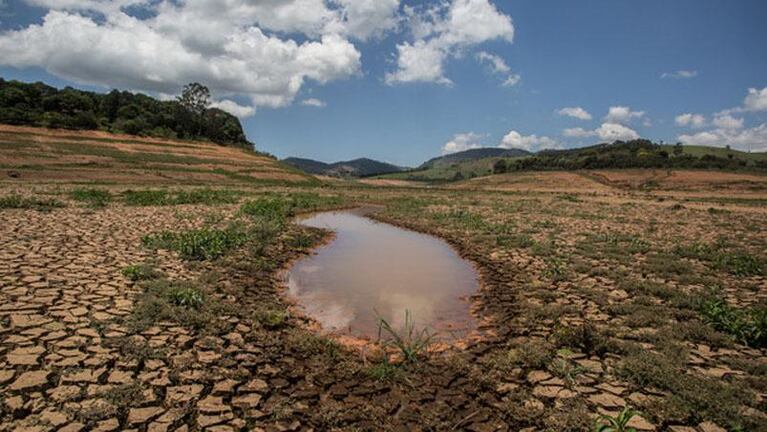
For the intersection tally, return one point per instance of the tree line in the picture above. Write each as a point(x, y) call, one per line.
point(188, 117)
point(629, 154)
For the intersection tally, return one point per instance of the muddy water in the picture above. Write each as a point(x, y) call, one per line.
point(373, 269)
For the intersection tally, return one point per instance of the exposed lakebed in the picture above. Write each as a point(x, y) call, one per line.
point(373, 270)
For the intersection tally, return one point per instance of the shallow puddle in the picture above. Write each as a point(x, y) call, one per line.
point(373, 270)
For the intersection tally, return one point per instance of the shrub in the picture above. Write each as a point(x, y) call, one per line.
point(92, 197)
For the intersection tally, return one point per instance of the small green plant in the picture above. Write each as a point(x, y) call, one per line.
point(186, 296)
point(384, 371)
point(19, 202)
point(748, 326)
point(566, 370)
point(273, 318)
point(140, 272)
point(410, 342)
point(92, 197)
point(619, 423)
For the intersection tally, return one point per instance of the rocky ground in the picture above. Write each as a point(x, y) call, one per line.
point(593, 303)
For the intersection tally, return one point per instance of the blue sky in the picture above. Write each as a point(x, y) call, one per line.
point(332, 80)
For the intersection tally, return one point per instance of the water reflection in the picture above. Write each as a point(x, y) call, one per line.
point(372, 269)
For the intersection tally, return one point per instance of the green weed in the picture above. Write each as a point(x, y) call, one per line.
point(410, 342)
point(619, 423)
point(140, 272)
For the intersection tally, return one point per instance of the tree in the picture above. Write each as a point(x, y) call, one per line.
point(196, 98)
point(678, 150)
point(499, 167)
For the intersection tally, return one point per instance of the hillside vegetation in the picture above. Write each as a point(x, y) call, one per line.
point(618, 155)
point(190, 117)
point(362, 167)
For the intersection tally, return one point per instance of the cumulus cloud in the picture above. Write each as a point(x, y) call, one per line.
point(691, 120)
point(727, 121)
point(578, 133)
point(615, 132)
point(234, 108)
point(622, 115)
point(751, 139)
point(575, 112)
point(264, 50)
point(312, 102)
point(516, 140)
point(498, 66)
point(680, 74)
point(445, 31)
point(756, 100)
point(462, 142)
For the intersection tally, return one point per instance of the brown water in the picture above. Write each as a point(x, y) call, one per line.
point(373, 270)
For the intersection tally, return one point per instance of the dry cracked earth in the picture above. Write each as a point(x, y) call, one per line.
point(590, 302)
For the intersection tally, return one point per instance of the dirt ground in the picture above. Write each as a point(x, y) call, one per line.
point(595, 298)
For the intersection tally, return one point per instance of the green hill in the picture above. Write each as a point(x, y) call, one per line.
point(618, 155)
point(38, 104)
point(362, 167)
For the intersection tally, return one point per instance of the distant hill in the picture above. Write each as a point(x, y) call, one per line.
point(361, 167)
point(618, 155)
point(640, 153)
point(473, 154)
point(40, 105)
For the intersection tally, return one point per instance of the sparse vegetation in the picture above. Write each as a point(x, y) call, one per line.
point(20, 202)
point(92, 197)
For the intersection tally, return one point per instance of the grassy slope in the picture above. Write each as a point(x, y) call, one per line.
point(51, 155)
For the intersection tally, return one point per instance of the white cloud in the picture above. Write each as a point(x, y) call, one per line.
point(516, 140)
point(680, 74)
point(691, 120)
point(615, 132)
point(752, 139)
point(575, 112)
point(312, 102)
point(446, 31)
point(462, 142)
point(578, 133)
point(756, 100)
point(726, 121)
point(265, 50)
point(498, 66)
point(622, 115)
point(234, 108)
